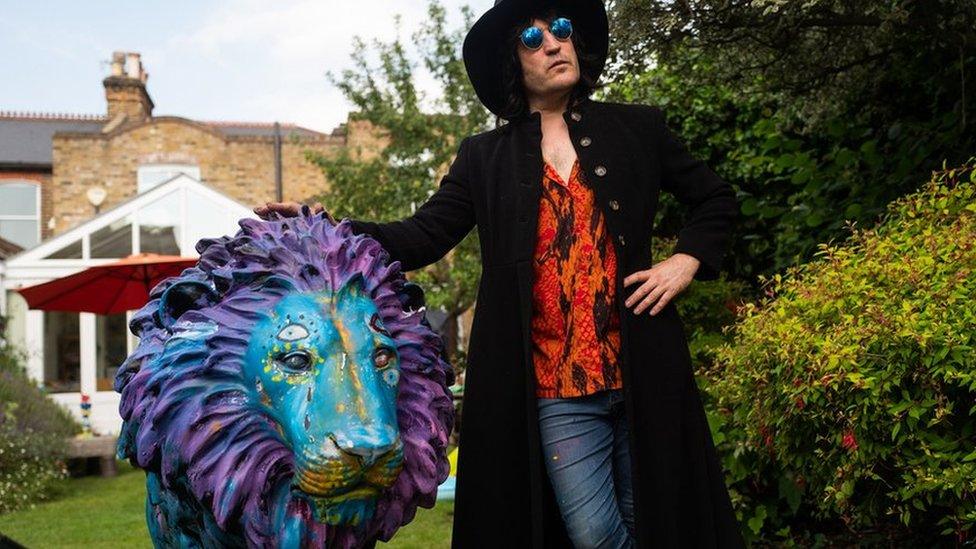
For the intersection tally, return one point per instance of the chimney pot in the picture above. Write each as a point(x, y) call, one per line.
point(133, 66)
point(118, 63)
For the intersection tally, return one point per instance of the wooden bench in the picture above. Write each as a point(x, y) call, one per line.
point(102, 447)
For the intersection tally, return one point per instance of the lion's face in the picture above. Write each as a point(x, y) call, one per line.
point(323, 365)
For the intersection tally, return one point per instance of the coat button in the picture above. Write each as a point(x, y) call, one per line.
point(575, 116)
point(600, 170)
point(614, 205)
point(585, 141)
point(620, 238)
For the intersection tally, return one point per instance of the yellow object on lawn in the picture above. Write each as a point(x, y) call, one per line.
point(452, 459)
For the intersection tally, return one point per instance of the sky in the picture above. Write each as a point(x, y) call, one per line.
point(233, 60)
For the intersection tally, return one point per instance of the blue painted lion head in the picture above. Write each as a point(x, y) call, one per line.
point(286, 391)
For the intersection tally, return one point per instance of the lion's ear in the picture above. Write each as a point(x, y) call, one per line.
point(412, 297)
point(182, 297)
point(355, 286)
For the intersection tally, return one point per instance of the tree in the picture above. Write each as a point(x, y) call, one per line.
point(794, 105)
point(877, 59)
point(419, 149)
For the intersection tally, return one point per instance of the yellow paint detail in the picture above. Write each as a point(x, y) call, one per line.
point(347, 343)
point(341, 407)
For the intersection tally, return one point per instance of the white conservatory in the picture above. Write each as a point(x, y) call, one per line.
point(74, 353)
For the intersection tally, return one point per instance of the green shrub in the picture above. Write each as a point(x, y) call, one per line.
point(846, 396)
point(33, 430)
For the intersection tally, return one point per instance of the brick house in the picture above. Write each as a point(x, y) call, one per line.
point(80, 190)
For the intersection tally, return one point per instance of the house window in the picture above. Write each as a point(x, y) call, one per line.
point(20, 213)
point(152, 175)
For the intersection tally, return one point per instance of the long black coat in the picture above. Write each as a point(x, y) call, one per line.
point(503, 495)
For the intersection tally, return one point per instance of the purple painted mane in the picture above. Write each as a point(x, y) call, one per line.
point(189, 415)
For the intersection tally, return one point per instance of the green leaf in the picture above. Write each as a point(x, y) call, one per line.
point(757, 520)
point(750, 206)
point(789, 491)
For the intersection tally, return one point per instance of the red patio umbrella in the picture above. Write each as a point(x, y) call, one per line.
point(106, 289)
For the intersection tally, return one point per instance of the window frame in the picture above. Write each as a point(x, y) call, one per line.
point(37, 208)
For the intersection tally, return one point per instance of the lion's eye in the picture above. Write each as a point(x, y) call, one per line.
point(296, 360)
point(383, 357)
point(293, 332)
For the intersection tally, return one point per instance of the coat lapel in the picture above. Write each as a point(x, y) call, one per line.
point(529, 183)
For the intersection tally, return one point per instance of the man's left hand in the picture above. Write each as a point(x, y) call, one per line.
point(661, 282)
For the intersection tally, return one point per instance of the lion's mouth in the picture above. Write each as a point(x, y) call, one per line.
point(343, 477)
point(342, 490)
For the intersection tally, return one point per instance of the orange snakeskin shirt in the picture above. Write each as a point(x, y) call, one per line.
point(575, 323)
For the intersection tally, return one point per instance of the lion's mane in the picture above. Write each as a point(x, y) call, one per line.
point(187, 411)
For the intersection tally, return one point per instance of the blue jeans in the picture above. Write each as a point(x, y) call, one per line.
point(585, 445)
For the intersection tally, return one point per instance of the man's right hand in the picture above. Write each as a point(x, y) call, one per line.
point(289, 209)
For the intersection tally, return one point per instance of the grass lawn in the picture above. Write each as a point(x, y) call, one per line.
point(97, 512)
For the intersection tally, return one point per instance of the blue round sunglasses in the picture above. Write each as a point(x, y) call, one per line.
point(560, 27)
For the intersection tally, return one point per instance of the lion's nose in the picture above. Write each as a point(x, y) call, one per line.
point(370, 444)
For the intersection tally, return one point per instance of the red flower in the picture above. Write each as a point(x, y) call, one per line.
point(799, 403)
point(849, 441)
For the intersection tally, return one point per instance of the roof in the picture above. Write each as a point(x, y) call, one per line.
point(260, 129)
point(25, 137)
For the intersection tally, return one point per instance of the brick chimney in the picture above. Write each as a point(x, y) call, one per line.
point(125, 89)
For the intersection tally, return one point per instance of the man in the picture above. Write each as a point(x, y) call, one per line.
point(567, 186)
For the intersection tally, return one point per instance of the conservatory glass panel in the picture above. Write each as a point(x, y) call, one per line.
point(62, 352)
point(113, 240)
point(71, 251)
point(159, 227)
point(207, 219)
point(110, 348)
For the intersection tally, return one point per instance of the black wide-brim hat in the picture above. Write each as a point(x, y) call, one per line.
point(483, 48)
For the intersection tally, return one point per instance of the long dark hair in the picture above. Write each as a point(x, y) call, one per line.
point(516, 104)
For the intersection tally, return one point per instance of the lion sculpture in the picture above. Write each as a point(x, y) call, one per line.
point(286, 391)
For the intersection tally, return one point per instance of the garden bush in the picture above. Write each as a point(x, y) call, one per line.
point(846, 397)
point(33, 429)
